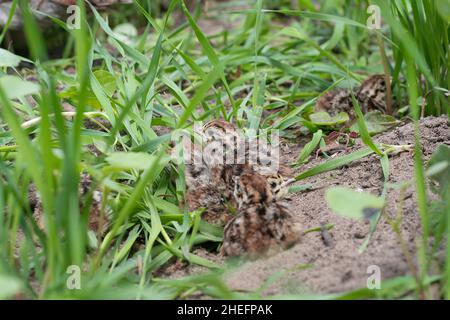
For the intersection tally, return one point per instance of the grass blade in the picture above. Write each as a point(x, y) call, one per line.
point(334, 163)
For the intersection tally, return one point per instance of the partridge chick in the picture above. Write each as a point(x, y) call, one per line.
point(264, 224)
point(371, 95)
point(224, 156)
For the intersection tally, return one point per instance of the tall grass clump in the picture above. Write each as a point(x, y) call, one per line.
point(420, 30)
point(49, 153)
point(420, 36)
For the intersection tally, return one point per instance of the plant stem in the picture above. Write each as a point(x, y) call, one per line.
point(387, 74)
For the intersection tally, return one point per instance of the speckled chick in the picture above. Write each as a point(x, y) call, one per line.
point(264, 225)
point(371, 95)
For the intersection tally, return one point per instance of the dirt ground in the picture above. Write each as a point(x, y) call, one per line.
point(336, 265)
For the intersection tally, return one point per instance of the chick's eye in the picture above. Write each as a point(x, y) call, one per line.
point(273, 184)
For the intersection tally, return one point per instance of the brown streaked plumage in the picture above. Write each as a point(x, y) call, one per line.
point(263, 225)
point(206, 185)
point(335, 101)
point(218, 129)
point(371, 95)
point(210, 184)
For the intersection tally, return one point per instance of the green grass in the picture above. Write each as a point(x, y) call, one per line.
point(170, 76)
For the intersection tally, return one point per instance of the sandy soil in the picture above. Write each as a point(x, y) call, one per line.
point(318, 266)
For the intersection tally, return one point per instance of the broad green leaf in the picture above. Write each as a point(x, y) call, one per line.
point(107, 81)
point(439, 168)
point(130, 160)
point(376, 122)
point(9, 286)
point(324, 119)
point(353, 204)
point(14, 87)
point(8, 59)
point(127, 33)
